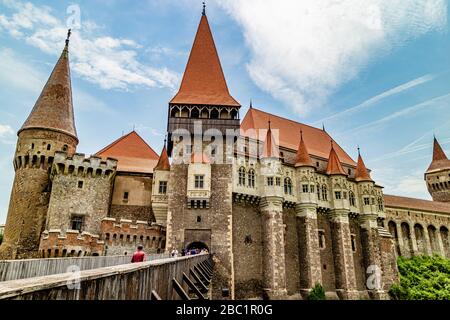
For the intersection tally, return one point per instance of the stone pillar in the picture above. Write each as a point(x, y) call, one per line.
point(426, 239)
point(412, 234)
point(274, 269)
point(343, 255)
point(370, 243)
point(308, 245)
point(401, 245)
point(440, 243)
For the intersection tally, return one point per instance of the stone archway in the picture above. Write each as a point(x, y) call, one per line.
point(197, 245)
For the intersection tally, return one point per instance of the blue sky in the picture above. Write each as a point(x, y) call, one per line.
point(377, 72)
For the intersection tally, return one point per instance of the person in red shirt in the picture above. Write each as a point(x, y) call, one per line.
point(139, 255)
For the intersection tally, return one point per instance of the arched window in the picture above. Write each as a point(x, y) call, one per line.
point(288, 186)
point(324, 193)
point(242, 176)
point(195, 113)
point(214, 114)
point(318, 192)
point(351, 198)
point(251, 178)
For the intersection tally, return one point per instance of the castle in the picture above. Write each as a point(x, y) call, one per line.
point(279, 203)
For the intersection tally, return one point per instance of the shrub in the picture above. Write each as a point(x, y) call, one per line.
point(422, 278)
point(317, 293)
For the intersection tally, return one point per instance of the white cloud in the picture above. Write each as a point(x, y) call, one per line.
point(111, 63)
point(370, 102)
point(304, 50)
point(5, 130)
point(437, 102)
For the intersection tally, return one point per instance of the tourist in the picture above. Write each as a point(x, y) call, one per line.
point(139, 255)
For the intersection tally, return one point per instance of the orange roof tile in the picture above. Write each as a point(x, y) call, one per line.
point(54, 109)
point(362, 174)
point(316, 140)
point(303, 159)
point(203, 81)
point(270, 149)
point(163, 163)
point(440, 160)
point(416, 204)
point(334, 165)
point(133, 154)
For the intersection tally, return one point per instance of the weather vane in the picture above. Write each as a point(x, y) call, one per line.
point(204, 8)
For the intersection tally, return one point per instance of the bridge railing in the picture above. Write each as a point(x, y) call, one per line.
point(29, 268)
point(163, 279)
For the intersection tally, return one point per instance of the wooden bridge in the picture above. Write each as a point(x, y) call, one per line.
point(182, 278)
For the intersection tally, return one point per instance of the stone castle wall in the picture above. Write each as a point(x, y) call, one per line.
point(215, 222)
point(81, 187)
point(138, 204)
point(123, 236)
point(31, 191)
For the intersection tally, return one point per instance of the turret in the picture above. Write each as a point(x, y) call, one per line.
point(305, 173)
point(366, 187)
point(338, 179)
point(437, 175)
point(161, 175)
point(50, 127)
point(271, 167)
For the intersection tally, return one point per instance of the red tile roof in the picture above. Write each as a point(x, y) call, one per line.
point(440, 160)
point(133, 154)
point(302, 158)
point(316, 140)
point(203, 81)
point(334, 164)
point(416, 204)
point(163, 163)
point(362, 174)
point(53, 109)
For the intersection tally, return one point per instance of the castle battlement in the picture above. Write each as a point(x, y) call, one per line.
point(55, 243)
point(126, 227)
point(79, 165)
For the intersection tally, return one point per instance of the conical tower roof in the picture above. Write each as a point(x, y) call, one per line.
point(440, 160)
point(334, 164)
point(270, 149)
point(163, 163)
point(362, 174)
point(54, 109)
point(203, 81)
point(303, 158)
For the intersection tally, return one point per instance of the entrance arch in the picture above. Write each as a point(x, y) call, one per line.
point(197, 245)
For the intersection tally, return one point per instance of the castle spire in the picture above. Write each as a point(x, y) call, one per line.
point(334, 164)
point(54, 109)
point(362, 174)
point(303, 159)
point(440, 160)
point(163, 162)
point(270, 149)
point(203, 81)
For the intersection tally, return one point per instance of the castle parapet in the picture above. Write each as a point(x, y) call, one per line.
point(54, 243)
point(81, 166)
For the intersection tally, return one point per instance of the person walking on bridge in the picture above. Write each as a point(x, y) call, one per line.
point(139, 255)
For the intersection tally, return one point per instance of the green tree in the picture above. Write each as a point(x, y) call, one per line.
point(317, 293)
point(422, 278)
point(1, 238)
